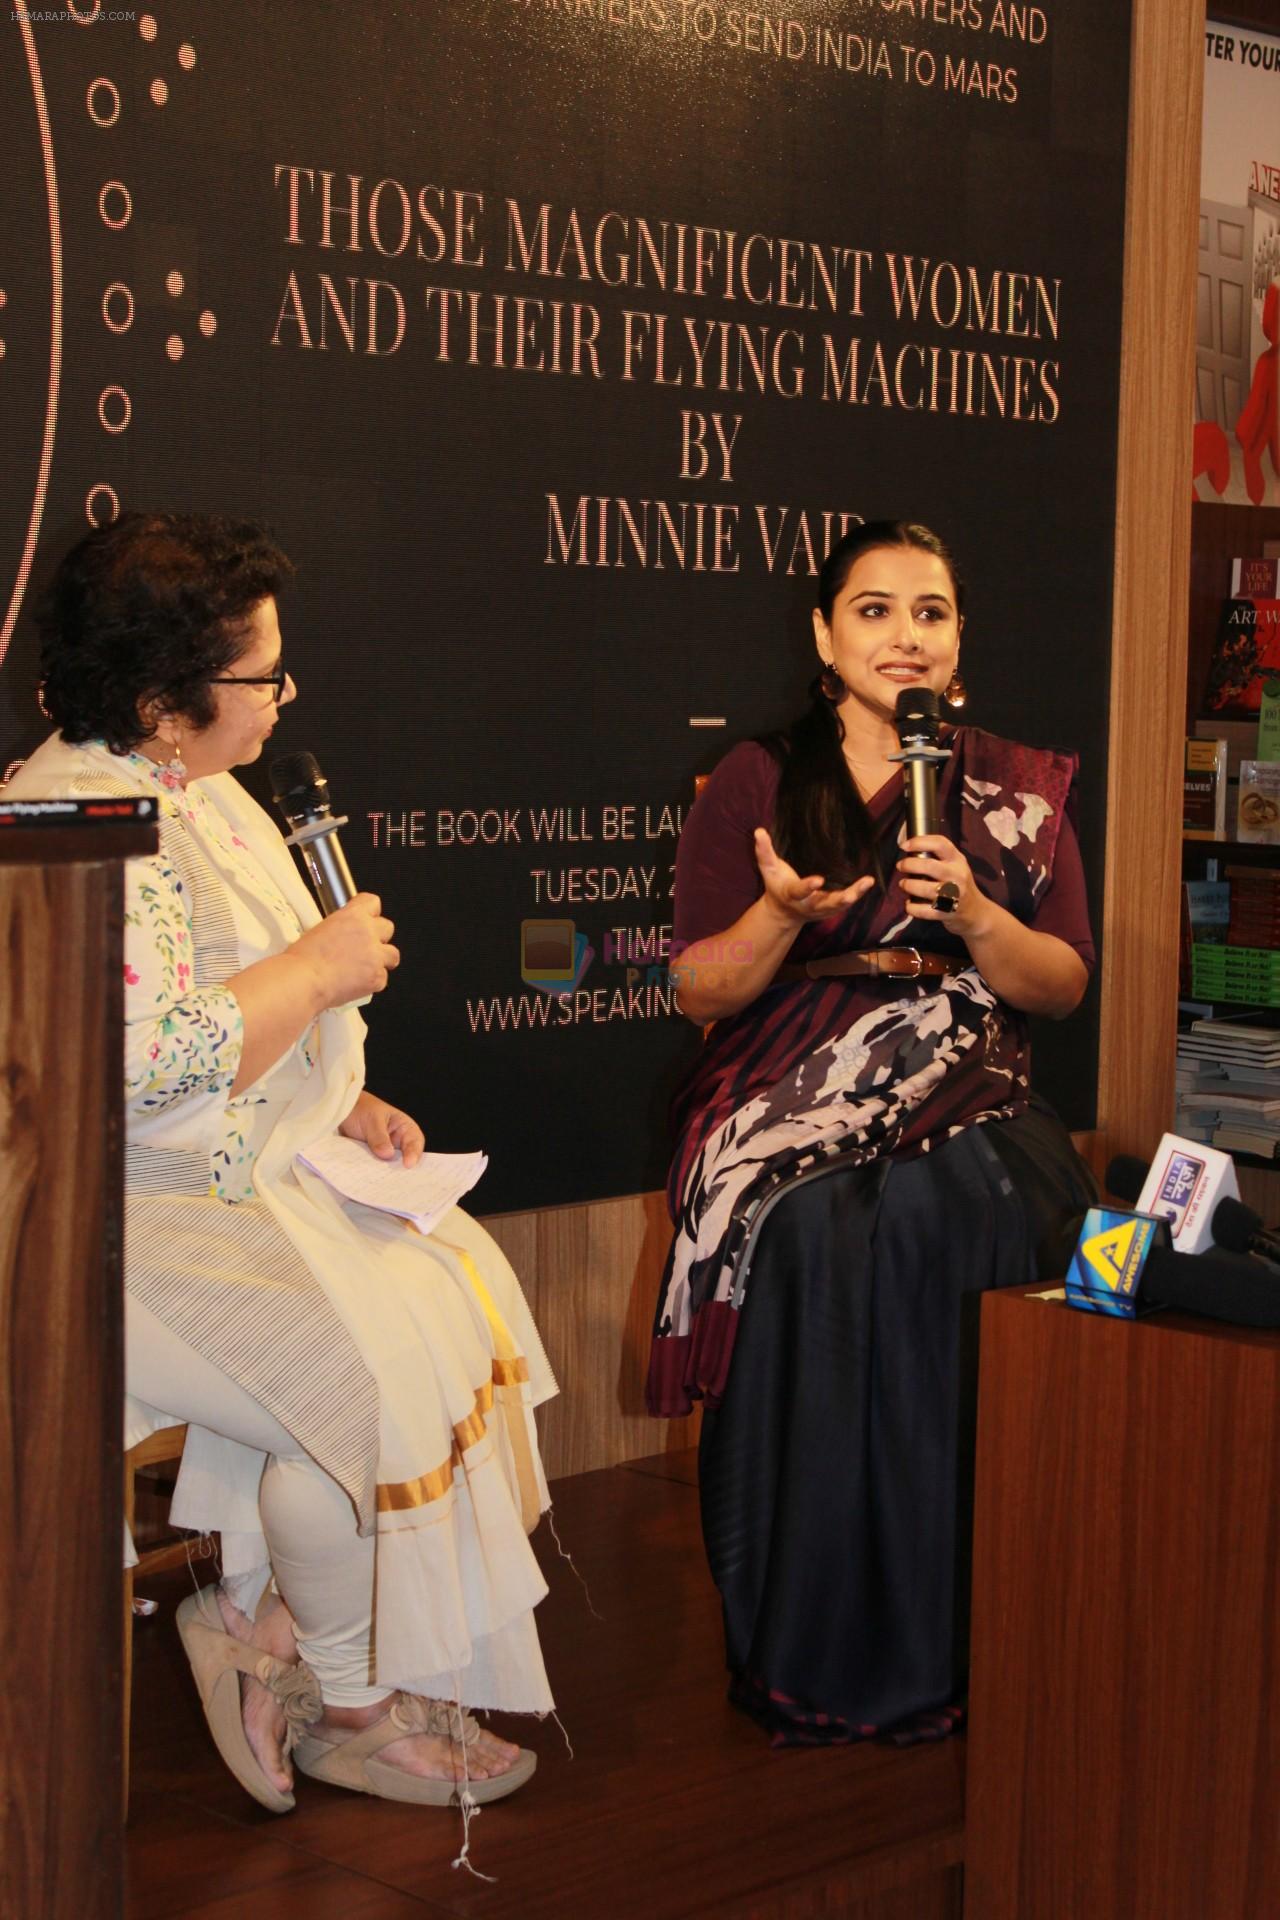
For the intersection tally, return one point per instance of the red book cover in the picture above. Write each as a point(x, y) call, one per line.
point(1246, 652)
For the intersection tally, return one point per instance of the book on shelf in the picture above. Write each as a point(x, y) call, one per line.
point(1261, 1079)
point(1204, 789)
point(1204, 921)
point(1251, 1038)
point(1245, 1140)
point(1227, 1079)
point(1258, 802)
point(1208, 904)
point(1241, 737)
point(1234, 1107)
point(1246, 654)
point(1268, 747)
point(1259, 576)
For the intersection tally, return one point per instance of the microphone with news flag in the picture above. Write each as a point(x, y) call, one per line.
point(1128, 1263)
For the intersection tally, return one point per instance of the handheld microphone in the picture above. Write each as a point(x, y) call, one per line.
point(301, 792)
point(916, 716)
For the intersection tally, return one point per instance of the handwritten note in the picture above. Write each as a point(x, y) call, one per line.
point(422, 1194)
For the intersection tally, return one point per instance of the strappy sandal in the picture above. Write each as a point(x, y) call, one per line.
point(354, 1762)
point(217, 1661)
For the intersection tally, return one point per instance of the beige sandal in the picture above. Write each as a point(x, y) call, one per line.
point(217, 1661)
point(354, 1763)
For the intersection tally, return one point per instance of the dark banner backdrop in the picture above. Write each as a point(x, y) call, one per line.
point(556, 341)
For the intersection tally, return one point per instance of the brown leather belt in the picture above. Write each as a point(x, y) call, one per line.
point(902, 961)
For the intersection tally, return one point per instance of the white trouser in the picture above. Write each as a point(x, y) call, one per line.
point(322, 1567)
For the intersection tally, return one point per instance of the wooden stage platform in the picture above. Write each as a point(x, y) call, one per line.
point(673, 1805)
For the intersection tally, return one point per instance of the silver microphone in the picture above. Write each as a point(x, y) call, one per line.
point(301, 792)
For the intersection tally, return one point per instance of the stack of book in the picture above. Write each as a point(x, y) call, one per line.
point(1228, 1084)
point(1254, 915)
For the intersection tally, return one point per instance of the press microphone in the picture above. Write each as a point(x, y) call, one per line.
point(1233, 1226)
point(1184, 1185)
point(916, 717)
point(301, 792)
point(1123, 1267)
point(1240, 1230)
point(1126, 1176)
point(1223, 1286)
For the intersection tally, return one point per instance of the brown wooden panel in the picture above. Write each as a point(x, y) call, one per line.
point(1124, 1739)
point(591, 1274)
point(1092, 1148)
point(1149, 622)
point(60, 1384)
point(1260, 1189)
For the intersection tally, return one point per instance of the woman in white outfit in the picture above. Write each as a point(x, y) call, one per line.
point(359, 1397)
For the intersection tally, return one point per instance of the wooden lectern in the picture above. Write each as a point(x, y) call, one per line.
point(61, 1366)
point(1124, 1743)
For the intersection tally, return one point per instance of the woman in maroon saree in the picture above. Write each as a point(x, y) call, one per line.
point(859, 1154)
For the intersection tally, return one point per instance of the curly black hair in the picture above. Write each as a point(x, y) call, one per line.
point(150, 608)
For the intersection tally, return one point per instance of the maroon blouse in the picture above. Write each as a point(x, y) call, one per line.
point(717, 879)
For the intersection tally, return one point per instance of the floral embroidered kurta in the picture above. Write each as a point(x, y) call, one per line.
point(406, 1366)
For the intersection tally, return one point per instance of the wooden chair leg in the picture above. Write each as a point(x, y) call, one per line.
point(126, 1715)
point(165, 1445)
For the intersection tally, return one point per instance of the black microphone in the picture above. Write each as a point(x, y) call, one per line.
point(301, 792)
point(1123, 1265)
point(916, 717)
point(1235, 1227)
point(1240, 1230)
point(1126, 1176)
point(1222, 1286)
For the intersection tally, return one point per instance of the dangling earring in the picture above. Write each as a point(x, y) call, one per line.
point(173, 774)
point(955, 693)
point(832, 683)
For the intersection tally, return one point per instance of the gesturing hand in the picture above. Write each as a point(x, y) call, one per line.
point(384, 1129)
point(807, 899)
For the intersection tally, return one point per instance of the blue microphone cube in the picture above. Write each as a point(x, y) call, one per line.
point(1106, 1267)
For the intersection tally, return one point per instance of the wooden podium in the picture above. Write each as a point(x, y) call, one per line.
point(61, 1366)
point(1124, 1743)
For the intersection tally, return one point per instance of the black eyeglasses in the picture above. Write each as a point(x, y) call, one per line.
point(274, 680)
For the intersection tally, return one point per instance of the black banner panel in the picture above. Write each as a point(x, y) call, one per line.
point(556, 340)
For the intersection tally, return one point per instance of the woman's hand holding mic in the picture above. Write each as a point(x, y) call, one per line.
point(939, 885)
point(350, 951)
point(338, 963)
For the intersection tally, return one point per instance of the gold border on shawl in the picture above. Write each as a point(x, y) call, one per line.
point(400, 1496)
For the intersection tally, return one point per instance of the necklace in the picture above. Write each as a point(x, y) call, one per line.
point(869, 775)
